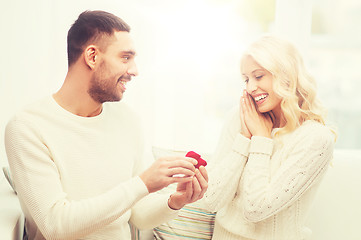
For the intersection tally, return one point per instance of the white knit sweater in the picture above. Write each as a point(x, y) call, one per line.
point(263, 188)
point(76, 177)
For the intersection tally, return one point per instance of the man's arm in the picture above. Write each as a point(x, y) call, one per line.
point(156, 209)
point(40, 188)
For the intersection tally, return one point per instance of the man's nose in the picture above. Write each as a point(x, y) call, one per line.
point(133, 70)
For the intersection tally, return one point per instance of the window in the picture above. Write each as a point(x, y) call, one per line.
point(335, 57)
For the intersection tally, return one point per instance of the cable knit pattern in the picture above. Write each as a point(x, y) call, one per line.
point(76, 177)
point(223, 179)
point(276, 181)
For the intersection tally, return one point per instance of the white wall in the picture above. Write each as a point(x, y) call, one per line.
point(186, 61)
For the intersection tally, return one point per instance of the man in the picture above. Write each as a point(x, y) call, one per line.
point(76, 159)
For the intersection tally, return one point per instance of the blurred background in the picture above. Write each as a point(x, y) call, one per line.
point(188, 59)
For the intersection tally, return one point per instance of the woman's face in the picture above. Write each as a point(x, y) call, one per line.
point(259, 84)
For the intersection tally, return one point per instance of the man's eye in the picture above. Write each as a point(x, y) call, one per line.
point(127, 57)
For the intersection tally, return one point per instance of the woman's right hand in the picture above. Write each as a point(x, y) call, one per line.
point(258, 124)
point(244, 129)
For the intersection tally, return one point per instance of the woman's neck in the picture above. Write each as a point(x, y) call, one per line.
point(279, 119)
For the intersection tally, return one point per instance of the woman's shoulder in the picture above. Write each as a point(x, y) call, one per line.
point(314, 131)
point(315, 127)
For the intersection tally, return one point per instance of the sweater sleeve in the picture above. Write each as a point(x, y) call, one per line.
point(39, 188)
point(226, 167)
point(266, 194)
point(152, 210)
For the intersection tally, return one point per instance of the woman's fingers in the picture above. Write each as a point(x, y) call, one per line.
point(246, 101)
point(252, 103)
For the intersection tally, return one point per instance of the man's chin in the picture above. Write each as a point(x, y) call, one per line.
point(117, 98)
point(111, 99)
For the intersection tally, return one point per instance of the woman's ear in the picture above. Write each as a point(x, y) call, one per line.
point(90, 56)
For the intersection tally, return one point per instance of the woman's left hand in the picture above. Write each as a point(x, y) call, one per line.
point(259, 124)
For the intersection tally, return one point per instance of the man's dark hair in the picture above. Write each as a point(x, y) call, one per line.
point(91, 26)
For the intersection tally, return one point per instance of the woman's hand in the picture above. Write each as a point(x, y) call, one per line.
point(244, 129)
point(258, 124)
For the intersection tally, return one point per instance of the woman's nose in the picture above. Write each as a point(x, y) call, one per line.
point(251, 86)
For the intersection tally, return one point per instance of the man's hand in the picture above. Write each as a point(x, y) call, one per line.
point(161, 173)
point(189, 192)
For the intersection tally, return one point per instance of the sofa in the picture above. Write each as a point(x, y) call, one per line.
point(11, 217)
point(334, 215)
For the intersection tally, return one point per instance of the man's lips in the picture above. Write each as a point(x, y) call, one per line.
point(123, 81)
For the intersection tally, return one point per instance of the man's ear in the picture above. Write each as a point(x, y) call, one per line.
point(90, 56)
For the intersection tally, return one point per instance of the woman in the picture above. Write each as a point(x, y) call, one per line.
point(273, 151)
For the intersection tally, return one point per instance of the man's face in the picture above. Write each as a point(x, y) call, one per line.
point(116, 67)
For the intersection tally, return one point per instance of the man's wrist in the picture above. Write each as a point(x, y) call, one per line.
point(172, 205)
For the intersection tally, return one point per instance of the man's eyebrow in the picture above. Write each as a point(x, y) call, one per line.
point(128, 52)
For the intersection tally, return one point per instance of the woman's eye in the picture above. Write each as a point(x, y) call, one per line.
point(246, 80)
point(259, 77)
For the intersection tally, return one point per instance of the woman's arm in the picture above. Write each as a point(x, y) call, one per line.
point(226, 167)
point(266, 195)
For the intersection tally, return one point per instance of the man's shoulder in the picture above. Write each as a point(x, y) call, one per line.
point(33, 109)
point(28, 117)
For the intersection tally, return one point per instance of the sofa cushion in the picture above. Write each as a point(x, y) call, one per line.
point(7, 174)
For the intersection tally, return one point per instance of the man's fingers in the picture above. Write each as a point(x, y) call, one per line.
point(179, 158)
point(204, 173)
point(184, 162)
point(180, 179)
point(180, 170)
point(202, 177)
point(189, 190)
point(196, 190)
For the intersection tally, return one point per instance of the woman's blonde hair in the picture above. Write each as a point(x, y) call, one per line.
point(291, 81)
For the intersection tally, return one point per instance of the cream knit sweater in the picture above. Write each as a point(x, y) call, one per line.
point(76, 177)
point(263, 188)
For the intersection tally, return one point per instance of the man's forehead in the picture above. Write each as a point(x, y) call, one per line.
point(124, 42)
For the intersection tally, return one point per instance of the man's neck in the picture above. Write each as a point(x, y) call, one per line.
point(73, 97)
